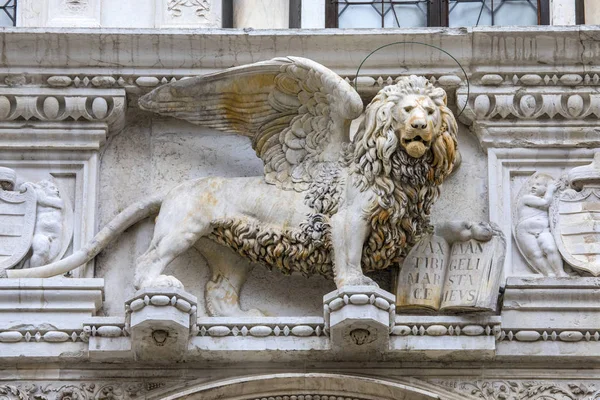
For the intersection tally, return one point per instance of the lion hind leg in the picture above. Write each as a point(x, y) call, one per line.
point(228, 275)
point(163, 250)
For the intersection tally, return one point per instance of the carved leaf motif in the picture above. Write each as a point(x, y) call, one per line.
point(75, 6)
point(77, 391)
point(202, 7)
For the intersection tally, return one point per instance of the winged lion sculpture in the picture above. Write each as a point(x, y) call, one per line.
point(326, 205)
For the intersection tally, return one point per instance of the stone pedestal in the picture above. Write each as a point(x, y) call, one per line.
point(359, 319)
point(160, 323)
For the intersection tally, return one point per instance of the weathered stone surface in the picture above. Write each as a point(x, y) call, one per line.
point(543, 122)
point(422, 274)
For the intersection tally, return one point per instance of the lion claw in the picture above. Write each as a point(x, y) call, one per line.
point(358, 280)
point(162, 281)
point(461, 231)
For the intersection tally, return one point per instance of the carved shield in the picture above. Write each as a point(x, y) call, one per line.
point(17, 222)
point(575, 225)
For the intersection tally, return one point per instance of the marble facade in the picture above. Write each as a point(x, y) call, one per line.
point(69, 112)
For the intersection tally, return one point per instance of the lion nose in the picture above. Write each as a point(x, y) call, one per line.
point(418, 123)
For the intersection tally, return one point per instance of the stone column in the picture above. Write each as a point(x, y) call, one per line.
point(261, 14)
point(592, 12)
point(562, 12)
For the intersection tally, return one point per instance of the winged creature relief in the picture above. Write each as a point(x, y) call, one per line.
point(326, 205)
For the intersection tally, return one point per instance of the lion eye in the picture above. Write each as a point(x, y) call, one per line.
point(408, 108)
point(430, 111)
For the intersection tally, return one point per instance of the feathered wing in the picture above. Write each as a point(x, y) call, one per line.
point(296, 111)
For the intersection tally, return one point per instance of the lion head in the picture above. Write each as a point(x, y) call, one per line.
point(404, 148)
point(411, 116)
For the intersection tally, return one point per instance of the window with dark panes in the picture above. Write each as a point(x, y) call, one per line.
point(8, 13)
point(420, 13)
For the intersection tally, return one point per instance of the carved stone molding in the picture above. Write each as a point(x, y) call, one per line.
point(58, 105)
point(446, 325)
point(294, 327)
point(514, 389)
point(76, 390)
point(549, 335)
point(514, 115)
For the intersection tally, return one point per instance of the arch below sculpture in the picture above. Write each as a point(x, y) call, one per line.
point(326, 386)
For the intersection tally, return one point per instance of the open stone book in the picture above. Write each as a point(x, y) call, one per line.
point(438, 276)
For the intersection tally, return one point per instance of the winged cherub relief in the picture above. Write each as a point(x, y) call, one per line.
point(325, 205)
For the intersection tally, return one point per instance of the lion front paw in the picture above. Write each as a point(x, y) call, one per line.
point(162, 281)
point(356, 280)
point(461, 231)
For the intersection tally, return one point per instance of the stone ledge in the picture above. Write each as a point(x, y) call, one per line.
point(489, 49)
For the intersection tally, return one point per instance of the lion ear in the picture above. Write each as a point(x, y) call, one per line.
point(439, 95)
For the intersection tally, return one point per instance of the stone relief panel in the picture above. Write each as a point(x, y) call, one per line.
point(531, 225)
point(188, 13)
point(511, 175)
point(72, 13)
point(425, 136)
point(92, 390)
point(507, 389)
point(555, 220)
point(39, 217)
point(37, 223)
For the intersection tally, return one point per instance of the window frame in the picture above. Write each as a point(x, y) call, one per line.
point(6, 4)
point(437, 13)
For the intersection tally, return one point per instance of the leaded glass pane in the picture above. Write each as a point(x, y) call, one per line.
point(516, 12)
point(7, 12)
point(382, 13)
point(492, 12)
point(406, 16)
point(469, 13)
point(359, 16)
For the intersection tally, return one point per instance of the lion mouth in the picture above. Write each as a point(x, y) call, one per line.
point(415, 146)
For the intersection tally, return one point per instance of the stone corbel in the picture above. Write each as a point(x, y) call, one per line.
point(57, 133)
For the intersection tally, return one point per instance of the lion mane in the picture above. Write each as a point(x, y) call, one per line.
point(405, 189)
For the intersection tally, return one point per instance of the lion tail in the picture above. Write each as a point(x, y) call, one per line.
point(132, 214)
